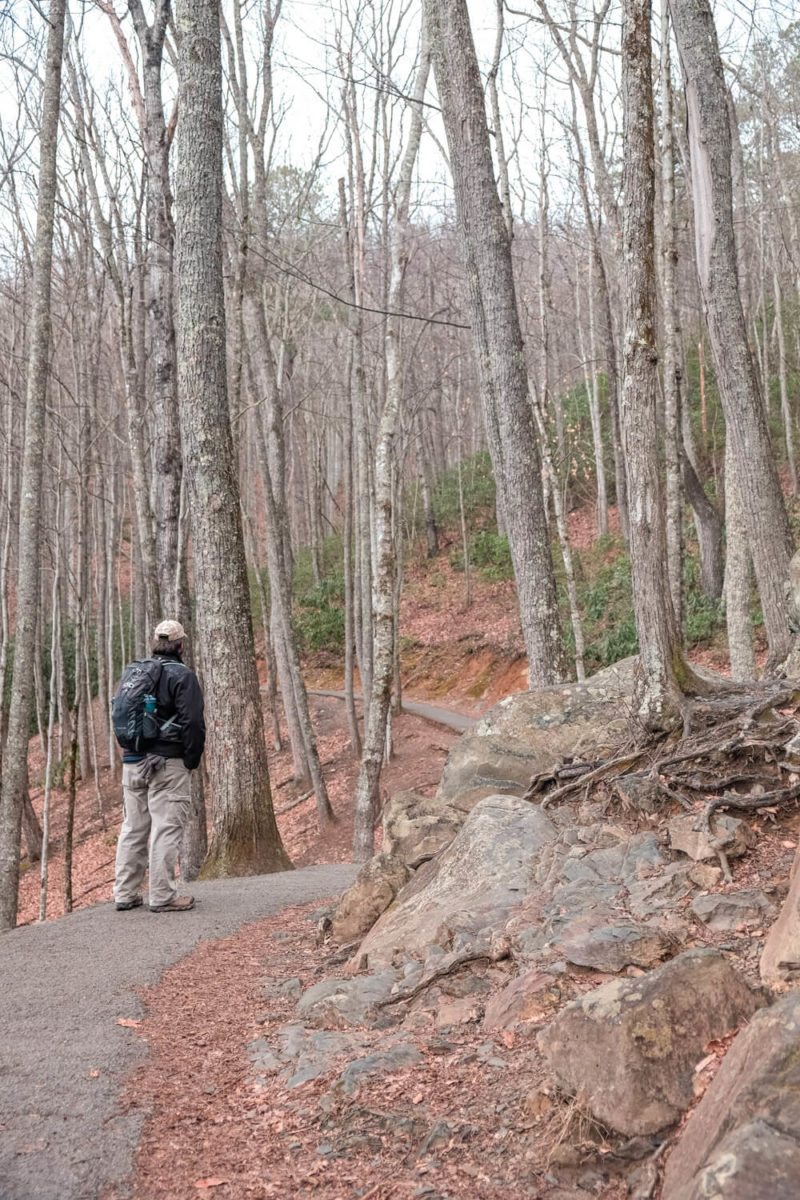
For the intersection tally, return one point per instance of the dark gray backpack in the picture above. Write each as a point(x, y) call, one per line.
point(133, 709)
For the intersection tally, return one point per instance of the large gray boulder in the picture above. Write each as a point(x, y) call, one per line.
point(534, 731)
point(628, 1049)
point(471, 886)
point(742, 1141)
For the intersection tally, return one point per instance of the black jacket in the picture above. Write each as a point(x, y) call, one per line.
point(179, 695)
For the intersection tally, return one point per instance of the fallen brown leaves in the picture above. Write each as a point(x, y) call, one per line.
point(455, 1125)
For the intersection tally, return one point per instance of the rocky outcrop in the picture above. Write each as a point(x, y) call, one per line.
point(472, 885)
point(742, 1141)
point(532, 732)
point(612, 946)
point(628, 1049)
point(525, 734)
point(602, 899)
point(780, 960)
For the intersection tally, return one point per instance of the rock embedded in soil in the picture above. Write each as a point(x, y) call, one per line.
point(730, 834)
point(705, 876)
point(628, 1049)
point(299, 1054)
point(726, 911)
point(742, 1142)
point(370, 894)
point(471, 886)
point(339, 1003)
point(649, 897)
point(611, 947)
point(398, 1057)
point(528, 998)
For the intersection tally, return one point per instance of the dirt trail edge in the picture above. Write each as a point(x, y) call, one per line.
point(64, 986)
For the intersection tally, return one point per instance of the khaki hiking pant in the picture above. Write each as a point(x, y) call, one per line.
point(158, 811)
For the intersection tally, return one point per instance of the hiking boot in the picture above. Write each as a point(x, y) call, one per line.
point(177, 904)
point(124, 905)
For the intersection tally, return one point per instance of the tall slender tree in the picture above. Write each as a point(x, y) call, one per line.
point(245, 838)
point(15, 757)
point(486, 249)
point(663, 674)
point(764, 512)
point(383, 598)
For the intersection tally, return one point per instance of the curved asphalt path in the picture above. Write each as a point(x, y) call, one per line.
point(63, 985)
point(430, 712)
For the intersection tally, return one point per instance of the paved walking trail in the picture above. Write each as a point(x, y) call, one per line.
point(430, 712)
point(63, 986)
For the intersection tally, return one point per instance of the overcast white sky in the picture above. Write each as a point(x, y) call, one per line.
point(306, 70)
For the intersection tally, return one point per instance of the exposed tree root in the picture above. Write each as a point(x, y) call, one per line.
point(732, 755)
point(498, 950)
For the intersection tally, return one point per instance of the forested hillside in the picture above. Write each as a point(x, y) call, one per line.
point(303, 305)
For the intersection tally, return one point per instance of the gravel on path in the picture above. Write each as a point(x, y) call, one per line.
point(64, 986)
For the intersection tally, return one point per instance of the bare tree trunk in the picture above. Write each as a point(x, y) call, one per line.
point(673, 438)
point(425, 472)
point(738, 575)
point(347, 567)
point(69, 831)
point(590, 375)
point(661, 664)
point(32, 829)
point(293, 685)
point(767, 524)
point(383, 592)
point(786, 411)
point(245, 838)
point(15, 757)
point(167, 464)
point(498, 340)
point(279, 616)
point(709, 531)
point(605, 326)
point(48, 771)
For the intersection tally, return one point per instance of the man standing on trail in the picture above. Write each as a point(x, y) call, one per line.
point(157, 715)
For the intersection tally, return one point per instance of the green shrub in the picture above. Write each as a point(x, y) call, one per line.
point(478, 487)
point(489, 552)
point(330, 555)
point(619, 641)
point(319, 615)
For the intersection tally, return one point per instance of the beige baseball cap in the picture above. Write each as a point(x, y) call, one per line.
point(170, 631)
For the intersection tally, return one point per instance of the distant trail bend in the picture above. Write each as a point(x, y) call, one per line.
point(429, 712)
point(65, 984)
